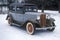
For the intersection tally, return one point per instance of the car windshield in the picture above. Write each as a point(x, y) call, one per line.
point(30, 8)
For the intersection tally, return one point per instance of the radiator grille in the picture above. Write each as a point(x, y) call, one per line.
point(43, 20)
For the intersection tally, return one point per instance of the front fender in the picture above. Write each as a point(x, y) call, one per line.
point(52, 19)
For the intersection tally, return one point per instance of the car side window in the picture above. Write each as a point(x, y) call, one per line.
point(19, 10)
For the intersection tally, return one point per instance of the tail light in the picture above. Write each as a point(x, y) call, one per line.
point(43, 20)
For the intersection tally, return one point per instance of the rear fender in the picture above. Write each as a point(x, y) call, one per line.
point(8, 16)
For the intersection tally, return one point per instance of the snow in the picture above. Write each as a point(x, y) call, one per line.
point(49, 11)
point(14, 32)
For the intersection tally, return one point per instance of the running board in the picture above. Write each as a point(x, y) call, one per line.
point(16, 24)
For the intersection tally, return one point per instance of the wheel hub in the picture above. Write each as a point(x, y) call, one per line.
point(30, 28)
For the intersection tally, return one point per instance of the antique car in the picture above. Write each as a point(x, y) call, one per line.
point(27, 16)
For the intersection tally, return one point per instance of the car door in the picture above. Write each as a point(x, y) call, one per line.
point(19, 14)
point(13, 12)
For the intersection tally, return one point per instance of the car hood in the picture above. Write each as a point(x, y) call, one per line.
point(33, 13)
point(36, 13)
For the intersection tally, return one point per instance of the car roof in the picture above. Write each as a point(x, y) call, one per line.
point(22, 4)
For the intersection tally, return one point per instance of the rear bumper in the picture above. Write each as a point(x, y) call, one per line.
point(44, 28)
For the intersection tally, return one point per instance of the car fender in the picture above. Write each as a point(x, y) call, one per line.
point(52, 19)
point(8, 16)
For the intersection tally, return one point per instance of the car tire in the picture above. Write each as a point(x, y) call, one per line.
point(9, 20)
point(30, 28)
point(52, 28)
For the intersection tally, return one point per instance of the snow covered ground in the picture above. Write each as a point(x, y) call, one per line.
point(16, 33)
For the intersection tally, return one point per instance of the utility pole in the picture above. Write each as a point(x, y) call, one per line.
point(59, 5)
point(43, 4)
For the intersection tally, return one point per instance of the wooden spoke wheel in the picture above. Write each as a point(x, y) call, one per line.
point(30, 28)
point(9, 20)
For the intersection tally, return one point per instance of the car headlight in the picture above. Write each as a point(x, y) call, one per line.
point(48, 16)
point(38, 17)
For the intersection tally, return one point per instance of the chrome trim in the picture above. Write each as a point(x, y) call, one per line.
point(44, 28)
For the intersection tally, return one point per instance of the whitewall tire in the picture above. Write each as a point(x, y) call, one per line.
point(9, 20)
point(30, 28)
